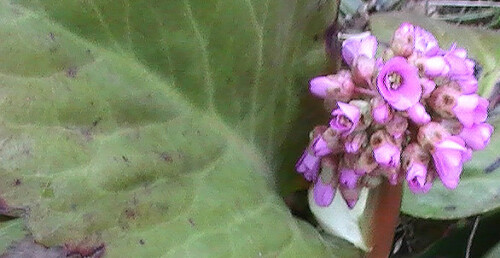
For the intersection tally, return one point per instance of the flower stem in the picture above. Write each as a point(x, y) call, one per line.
point(385, 204)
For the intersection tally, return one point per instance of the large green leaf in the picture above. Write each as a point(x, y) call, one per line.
point(479, 189)
point(152, 126)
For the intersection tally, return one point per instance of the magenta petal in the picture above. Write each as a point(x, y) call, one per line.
point(323, 193)
point(468, 84)
point(320, 85)
point(345, 111)
point(436, 66)
point(416, 175)
point(362, 44)
point(418, 114)
point(387, 155)
point(425, 42)
point(352, 112)
point(308, 165)
point(477, 136)
point(408, 92)
point(471, 109)
point(448, 161)
point(428, 86)
point(381, 113)
point(320, 147)
point(348, 178)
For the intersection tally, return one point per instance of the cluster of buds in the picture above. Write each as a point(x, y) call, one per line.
point(412, 114)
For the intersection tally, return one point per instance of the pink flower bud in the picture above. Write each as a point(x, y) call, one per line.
point(355, 141)
point(431, 134)
point(348, 178)
point(350, 196)
point(425, 43)
point(323, 193)
point(345, 118)
point(448, 161)
point(397, 126)
point(362, 44)
point(418, 115)
point(403, 40)
point(427, 86)
point(477, 136)
point(308, 165)
point(363, 69)
point(468, 83)
point(471, 109)
point(338, 87)
point(417, 178)
point(435, 66)
point(443, 100)
point(320, 147)
point(385, 151)
point(398, 83)
point(381, 112)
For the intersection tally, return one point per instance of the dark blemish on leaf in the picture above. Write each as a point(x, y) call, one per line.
point(96, 122)
point(130, 213)
point(141, 242)
point(315, 37)
point(125, 158)
point(191, 222)
point(71, 72)
point(73, 206)
point(17, 182)
point(450, 208)
point(492, 167)
point(52, 36)
point(165, 157)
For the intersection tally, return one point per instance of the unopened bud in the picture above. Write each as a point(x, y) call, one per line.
point(443, 100)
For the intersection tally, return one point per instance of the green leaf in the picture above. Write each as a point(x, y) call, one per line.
point(494, 252)
point(10, 231)
point(478, 191)
point(152, 126)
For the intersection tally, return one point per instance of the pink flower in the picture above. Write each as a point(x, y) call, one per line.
point(320, 147)
point(458, 63)
point(403, 40)
point(435, 66)
point(425, 42)
point(348, 178)
point(477, 136)
point(345, 118)
point(355, 141)
point(416, 176)
point(468, 83)
point(418, 114)
point(387, 155)
point(323, 193)
point(448, 156)
point(339, 86)
point(362, 44)
point(308, 165)
point(471, 109)
point(427, 86)
point(381, 112)
point(398, 83)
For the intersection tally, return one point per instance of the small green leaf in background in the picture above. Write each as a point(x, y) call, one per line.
point(10, 232)
point(152, 127)
point(478, 191)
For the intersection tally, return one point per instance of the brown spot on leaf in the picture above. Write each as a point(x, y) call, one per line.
point(17, 182)
point(450, 208)
point(71, 72)
point(191, 221)
point(141, 242)
point(166, 157)
point(85, 249)
point(130, 213)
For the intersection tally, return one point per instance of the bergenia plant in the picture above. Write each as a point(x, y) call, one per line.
point(410, 114)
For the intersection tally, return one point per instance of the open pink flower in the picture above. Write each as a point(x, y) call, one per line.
point(448, 156)
point(362, 44)
point(471, 109)
point(345, 118)
point(398, 83)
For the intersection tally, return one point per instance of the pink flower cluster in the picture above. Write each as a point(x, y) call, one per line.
point(412, 114)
